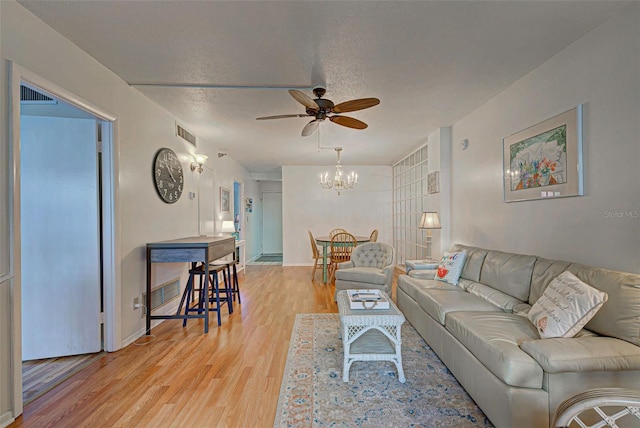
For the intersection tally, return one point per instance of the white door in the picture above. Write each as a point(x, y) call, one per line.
point(272, 223)
point(60, 245)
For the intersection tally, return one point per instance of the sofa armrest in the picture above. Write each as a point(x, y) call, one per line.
point(423, 274)
point(346, 265)
point(582, 354)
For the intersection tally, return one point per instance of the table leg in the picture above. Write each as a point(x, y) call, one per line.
point(324, 262)
point(147, 302)
point(206, 292)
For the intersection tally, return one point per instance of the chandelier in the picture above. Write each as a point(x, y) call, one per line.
point(340, 181)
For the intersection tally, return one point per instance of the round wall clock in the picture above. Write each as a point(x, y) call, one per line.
point(168, 175)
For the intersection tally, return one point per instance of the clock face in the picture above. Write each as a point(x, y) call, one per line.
point(168, 175)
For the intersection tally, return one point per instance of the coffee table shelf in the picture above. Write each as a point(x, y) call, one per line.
point(370, 334)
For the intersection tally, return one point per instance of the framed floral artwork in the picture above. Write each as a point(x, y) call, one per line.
point(545, 160)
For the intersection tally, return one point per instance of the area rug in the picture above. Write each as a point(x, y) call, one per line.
point(312, 393)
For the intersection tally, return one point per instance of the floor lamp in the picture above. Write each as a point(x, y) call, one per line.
point(429, 221)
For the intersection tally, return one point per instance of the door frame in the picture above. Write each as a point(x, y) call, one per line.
point(110, 216)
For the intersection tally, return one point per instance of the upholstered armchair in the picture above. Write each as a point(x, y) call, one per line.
point(371, 267)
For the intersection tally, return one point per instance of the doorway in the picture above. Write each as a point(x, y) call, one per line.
point(272, 224)
point(103, 125)
point(60, 221)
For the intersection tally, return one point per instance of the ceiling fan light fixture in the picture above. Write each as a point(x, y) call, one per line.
point(322, 108)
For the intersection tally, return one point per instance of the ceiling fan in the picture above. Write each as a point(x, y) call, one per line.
point(322, 108)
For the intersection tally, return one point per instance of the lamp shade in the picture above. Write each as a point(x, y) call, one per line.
point(200, 158)
point(429, 220)
point(227, 226)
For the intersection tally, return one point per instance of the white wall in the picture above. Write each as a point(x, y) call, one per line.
point(601, 70)
point(142, 128)
point(306, 206)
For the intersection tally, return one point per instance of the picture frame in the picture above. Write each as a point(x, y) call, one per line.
point(433, 182)
point(544, 161)
point(225, 196)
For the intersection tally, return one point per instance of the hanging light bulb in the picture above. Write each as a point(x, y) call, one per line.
point(340, 181)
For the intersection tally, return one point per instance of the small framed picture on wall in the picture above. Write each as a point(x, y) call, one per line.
point(225, 195)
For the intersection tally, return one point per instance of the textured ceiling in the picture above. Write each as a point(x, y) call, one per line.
point(430, 64)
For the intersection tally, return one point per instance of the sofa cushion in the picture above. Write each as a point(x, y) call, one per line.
point(496, 297)
point(473, 261)
point(508, 272)
point(438, 303)
point(566, 305)
point(369, 275)
point(415, 287)
point(583, 354)
point(494, 338)
point(618, 317)
point(544, 272)
point(423, 273)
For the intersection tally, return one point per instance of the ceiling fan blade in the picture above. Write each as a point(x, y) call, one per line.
point(281, 116)
point(354, 105)
point(303, 99)
point(310, 127)
point(349, 122)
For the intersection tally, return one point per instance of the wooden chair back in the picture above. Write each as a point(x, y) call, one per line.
point(342, 244)
point(374, 236)
point(314, 246)
point(336, 231)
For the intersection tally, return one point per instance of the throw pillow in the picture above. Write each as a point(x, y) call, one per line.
point(565, 307)
point(450, 267)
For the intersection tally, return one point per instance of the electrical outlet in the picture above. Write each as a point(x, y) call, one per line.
point(136, 303)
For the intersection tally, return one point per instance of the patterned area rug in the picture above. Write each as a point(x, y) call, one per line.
point(312, 393)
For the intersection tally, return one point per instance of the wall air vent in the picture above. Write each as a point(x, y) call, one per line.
point(163, 294)
point(185, 135)
point(29, 96)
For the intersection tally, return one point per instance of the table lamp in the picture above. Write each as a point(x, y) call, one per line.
point(429, 221)
point(227, 227)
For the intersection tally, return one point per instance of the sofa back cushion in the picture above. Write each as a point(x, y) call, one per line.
point(473, 261)
point(508, 272)
point(544, 272)
point(502, 300)
point(620, 315)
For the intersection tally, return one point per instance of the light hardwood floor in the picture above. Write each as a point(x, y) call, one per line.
point(227, 378)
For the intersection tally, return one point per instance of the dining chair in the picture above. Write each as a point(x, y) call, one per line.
point(342, 244)
point(336, 231)
point(315, 252)
point(374, 236)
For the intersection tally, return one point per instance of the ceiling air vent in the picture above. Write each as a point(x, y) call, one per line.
point(185, 135)
point(29, 96)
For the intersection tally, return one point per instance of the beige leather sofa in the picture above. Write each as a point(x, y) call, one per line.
point(479, 329)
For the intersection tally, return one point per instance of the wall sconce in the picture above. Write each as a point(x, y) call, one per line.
point(200, 160)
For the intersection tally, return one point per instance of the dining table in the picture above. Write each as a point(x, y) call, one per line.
point(325, 241)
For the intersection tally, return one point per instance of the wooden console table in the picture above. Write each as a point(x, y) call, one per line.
point(203, 249)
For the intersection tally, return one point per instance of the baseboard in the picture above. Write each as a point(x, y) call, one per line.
point(138, 334)
point(299, 264)
point(6, 419)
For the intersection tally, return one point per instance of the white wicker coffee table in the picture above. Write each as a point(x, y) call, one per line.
point(370, 334)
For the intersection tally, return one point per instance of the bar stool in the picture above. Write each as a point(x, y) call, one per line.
point(204, 297)
point(230, 274)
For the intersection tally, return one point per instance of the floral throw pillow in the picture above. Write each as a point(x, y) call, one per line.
point(450, 267)
point(566, 305)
